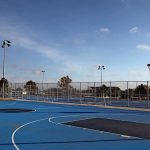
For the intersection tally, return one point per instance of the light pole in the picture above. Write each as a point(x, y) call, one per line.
point(101, 68)
point(148, 101)
point(5, 44)
point(43, 71)
point(148, 65)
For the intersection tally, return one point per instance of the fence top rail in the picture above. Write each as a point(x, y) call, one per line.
point(78, 82)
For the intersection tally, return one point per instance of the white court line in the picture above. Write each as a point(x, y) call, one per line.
point(91, 116)
point(103, 115)
point(62, 123)
point(13, 135)
point(50, 120)
point(126, 136)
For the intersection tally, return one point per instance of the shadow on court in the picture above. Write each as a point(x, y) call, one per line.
point(15, 110)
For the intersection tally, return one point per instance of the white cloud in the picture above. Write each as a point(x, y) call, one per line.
point(134, 30)
point(24, 40)
point(104, 30)
point(35, 71)
point(21, 39)
point(142, 32)
point(143, 47)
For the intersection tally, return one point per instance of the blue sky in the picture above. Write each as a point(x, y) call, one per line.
point(71, 37)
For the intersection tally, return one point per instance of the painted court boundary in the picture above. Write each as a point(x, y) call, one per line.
point(50, 119)
point(43, 119)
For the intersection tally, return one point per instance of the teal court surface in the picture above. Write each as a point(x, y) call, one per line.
point(28, 125)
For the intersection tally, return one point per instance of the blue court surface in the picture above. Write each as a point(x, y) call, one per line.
point(42, 128)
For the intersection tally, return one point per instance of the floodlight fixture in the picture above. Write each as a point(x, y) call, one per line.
point(148, 65)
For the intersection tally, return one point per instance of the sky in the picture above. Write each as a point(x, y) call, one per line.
point(73, 37)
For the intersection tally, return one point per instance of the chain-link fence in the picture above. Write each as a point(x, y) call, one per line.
point(116, 93)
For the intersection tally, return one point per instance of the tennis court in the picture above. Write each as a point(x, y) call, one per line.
point(27, 125)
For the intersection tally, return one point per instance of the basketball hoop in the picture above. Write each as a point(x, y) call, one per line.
point(148, 65)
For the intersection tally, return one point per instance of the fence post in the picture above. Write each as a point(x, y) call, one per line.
point(94, 93)
point(15, 91)
point(80, 93)
point(46, 92)
point(128, 94)
point(147, 95)
point(57, 93)
point(68, 92)
point(30, 92)
point(110, 93)
point(38, 92)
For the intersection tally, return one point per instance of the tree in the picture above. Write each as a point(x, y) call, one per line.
point(64, 82)
point(5, 82)
point(127, 93)
point(104, 90)
point(141, 91)
point(101, 91)
point(31, 87)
